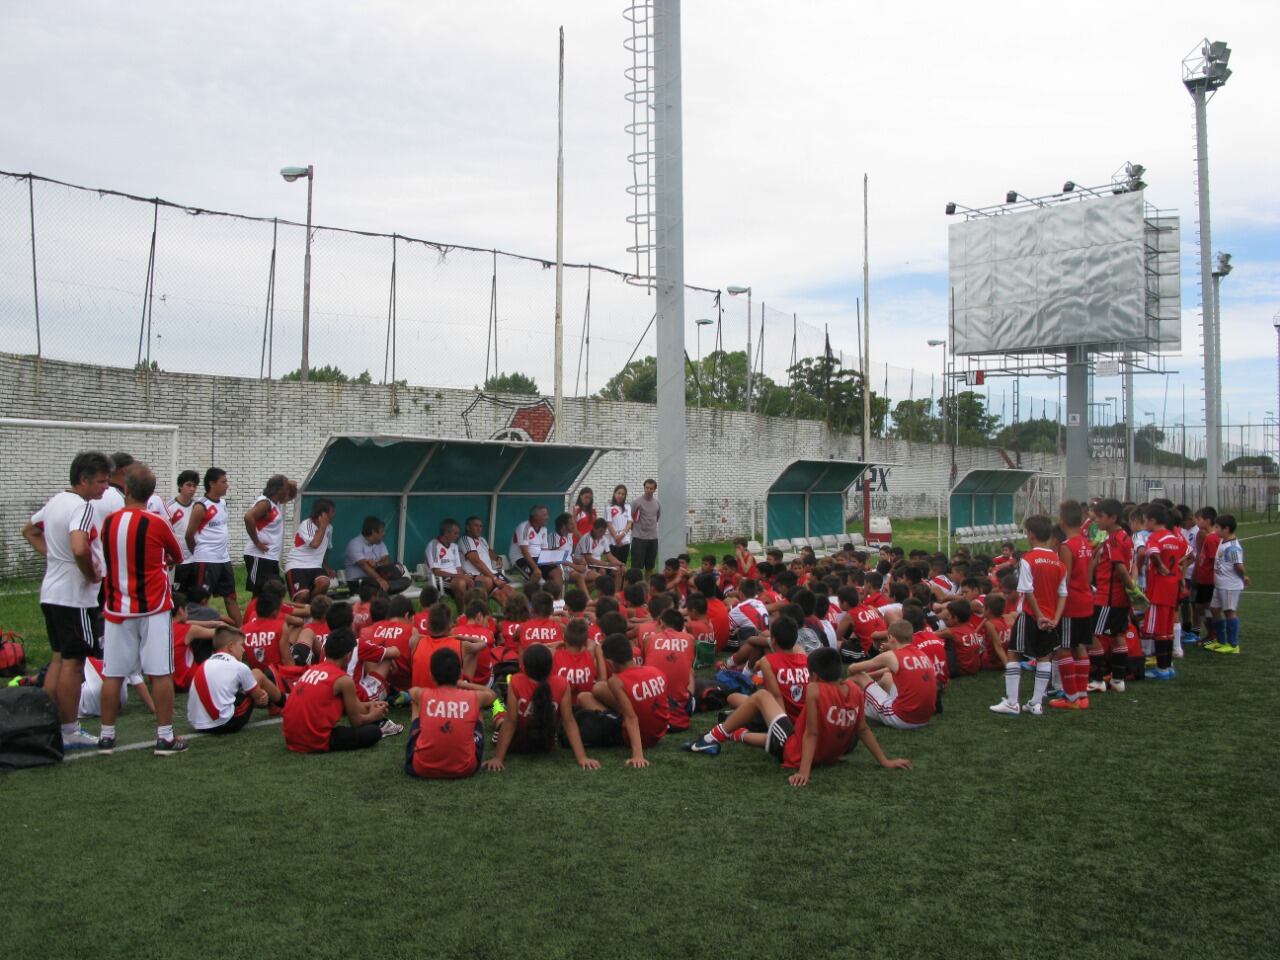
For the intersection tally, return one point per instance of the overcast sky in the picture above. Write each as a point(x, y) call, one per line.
point(438, 120)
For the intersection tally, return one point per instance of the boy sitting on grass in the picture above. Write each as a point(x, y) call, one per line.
point(446, 735)
point(539, 703)
point(322, 696)
point(825, 732)
point(224, 690)
point(630, 707)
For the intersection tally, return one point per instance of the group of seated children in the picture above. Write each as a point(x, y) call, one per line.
point(810, 651)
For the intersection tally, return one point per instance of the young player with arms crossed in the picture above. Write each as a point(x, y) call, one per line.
point(830, 721)
point(1165, 550)
point(1113, 587)
point(1076, 553)
point(305, 570)
point(264, 523)
point(1042, 583)
point(208, 538)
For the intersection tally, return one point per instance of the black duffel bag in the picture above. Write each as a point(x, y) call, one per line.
point(30, 734)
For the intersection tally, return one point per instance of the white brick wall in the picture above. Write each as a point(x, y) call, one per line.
point(253, 428)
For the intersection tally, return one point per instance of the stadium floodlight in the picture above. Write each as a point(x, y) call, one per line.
point(700, 323)
point(735, 290)
point(1068, 186)
point(1011, 196)
point(291, 174)
point(952, 207)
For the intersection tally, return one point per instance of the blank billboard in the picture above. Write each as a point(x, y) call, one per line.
point(1051, 277)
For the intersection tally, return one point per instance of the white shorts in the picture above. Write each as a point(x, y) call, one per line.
point(1225, 599)
point(879, 707)
point(138, 645)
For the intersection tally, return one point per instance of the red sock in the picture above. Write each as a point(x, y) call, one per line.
point(1082, 675)
point(1067, 670)
point(718, 733)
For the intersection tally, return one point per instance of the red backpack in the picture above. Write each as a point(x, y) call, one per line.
point(13, 658)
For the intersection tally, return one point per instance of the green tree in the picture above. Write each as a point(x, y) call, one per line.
point(1257, 463)
point(328, 374)
point(966, 412)
point(823, 389)
point(1030, 436)
point(636, 382)
point(511, 383)
point(915, 420)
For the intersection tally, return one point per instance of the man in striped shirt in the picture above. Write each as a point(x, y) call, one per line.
point(138, 548)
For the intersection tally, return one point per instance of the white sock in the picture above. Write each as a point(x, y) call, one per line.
point(1056, 676)
point(1043, 671)
point(164, 733)
point(69, 729)
point(1012, 680)
point(108, 730)
point(1177, 639)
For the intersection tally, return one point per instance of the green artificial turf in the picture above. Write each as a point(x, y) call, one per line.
point(1143, 828)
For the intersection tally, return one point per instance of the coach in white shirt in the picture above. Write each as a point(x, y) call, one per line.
point(480, 561)
point(67, 532)
point(445, 560)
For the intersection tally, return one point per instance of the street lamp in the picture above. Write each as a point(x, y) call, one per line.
point(945, 383)
point(291, 174)
point(700, 323)
point(735, 290)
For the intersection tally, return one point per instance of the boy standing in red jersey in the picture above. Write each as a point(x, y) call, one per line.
point(446, 735)
point(1076, 553)
point(1042, 583)
point(1165, 550)
point(1112, 584)
point(831, 718)
point(632, 706)
point(899, 683)
point(320, 698)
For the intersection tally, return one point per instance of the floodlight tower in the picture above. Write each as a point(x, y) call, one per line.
point(1204, 72)
point(658, 189)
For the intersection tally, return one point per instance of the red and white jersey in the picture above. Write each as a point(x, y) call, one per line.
point(839, 712)
point(528, 537)
point(791, 670)
point(619, 517)
point(1079, 590)
point(520, 698)
point(1041, 574)
point(646, 688)
point(262, 641)
point(138, 548)
point(213, 544)
point(313, 709)
point(590, 548)
point(270, 528)
point(214, 686)
point(866, 621)
point(932, 644)
point(63, 584)
point(445, 746)
point(916, 682)
point(575, 667)
point(671, 651)
point(1162, 588)
point(179, 515)
point(750, 613)
point(944, 583)
point(540, 631)
point(444, 556)
point(583, 521)
point(303, 556)
point(967, 644)
point(91, 688)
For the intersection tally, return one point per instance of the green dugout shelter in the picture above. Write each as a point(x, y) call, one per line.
point(807, 499)
point(984, 497)
point(413, 483)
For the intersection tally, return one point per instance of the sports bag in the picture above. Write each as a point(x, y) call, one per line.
point(13, 657)
point(29, 732)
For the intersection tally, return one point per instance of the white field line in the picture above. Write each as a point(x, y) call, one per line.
point(149, 744)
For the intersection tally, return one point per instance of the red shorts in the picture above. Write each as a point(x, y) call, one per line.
point(1158, 621)
point(284, 678)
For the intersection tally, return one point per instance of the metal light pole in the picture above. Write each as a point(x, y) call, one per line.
point(291, 174)
point(700, 323)
point(734, 291)
point(1204, 72)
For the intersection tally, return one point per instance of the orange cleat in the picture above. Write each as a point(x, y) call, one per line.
point(1062, 703)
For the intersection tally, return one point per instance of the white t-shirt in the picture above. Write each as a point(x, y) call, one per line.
point(303, 556)
point(1230, 552)
point(179, 515)
point(1139, 541)
point(440, 556)
point(532, 540)
point(226, 676)
point(213, 543)
point(619, 517)
point(358, 548)
point(270, 532)
point(112, 500)
point(64, 585)
point(480, 547)
point(590, 549)
point(91, 688)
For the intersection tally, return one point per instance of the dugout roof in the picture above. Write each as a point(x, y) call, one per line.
point(807, 498)
point(412, 483)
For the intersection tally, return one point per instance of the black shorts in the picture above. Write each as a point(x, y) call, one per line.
point(218, 578)
point(75, 633)
point(599, 728)
point(303, 578)
point(1077, 631)
point(258, 570)
point(780, 731)
point(546, 569)
point(1110, 621)
point(1030, 641)
point(239, 716)
point(621, 551)
point(1204, 594)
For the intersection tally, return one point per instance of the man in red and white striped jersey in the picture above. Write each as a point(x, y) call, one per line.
point(138, 548)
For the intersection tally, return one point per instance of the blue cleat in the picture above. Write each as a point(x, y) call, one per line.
point(701, 746)
point(1155, 673)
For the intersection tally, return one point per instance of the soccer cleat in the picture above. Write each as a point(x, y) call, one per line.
point(1155, 673)
point(80, 740)
point(167, 748)
point(1149, 662)
point(106, 745)
point(1082, 703)
point(1227, 648)
point(1117, 686)
point(1029, 666)
point(1035, 709)
point(390, 728)
point(1190, 636)
point(1214, 645)
point(1097, 686)
point(1062, 703)
point(1006, 708)
point(701, 746)
point(400, 698)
